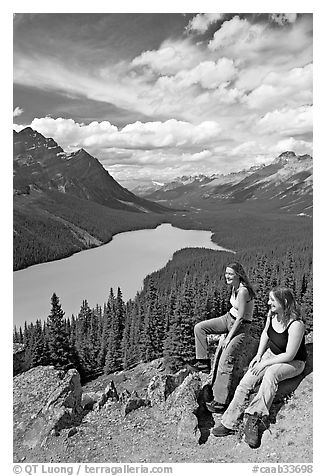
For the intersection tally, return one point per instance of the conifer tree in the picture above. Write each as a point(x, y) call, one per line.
point(107, 318)
point(39, 348)
point(137, 343)
point(83, 342)
point(60, 352)
point(16, 336)
point(113, 360)
point(180, 343)
point(127, 345)
point(154, 325)
point(172, 302)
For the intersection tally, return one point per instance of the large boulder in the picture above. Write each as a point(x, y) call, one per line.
point(241, 360)
point(132, 403)
point(162, 385)
point(97, 400)
point(89, 399)
point(181, 406)
point(110, 393)
point(45, 400)
point(287, 387)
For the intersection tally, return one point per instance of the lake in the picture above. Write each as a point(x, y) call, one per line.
point(125, 262)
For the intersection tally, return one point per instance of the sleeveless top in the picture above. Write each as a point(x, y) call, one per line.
point(278, 342)
point(234, 300)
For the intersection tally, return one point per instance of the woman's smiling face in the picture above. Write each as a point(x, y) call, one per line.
point(230, 276)
point(274, 304)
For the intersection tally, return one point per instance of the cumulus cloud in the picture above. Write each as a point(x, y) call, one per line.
point(18, 111)
point(202, 21)
point(291, 88)
point(299, 146)
point(170, 57)
point(283, 18)
point(287, 122)
point(97, 136)
point(238, 32)
point(208, 74)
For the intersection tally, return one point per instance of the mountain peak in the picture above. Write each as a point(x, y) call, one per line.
point(28, 131)
point(304, 157)
point(289, 154)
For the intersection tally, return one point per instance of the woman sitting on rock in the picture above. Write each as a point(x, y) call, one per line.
point(236, 323)
point(281, 355)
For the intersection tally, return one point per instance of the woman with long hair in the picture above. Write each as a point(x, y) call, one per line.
point(281, 355)
point(236, 324)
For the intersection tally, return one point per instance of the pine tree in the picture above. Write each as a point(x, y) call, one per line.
point(60, 352)
point(127, 338)
point(107, 317)
point(16, 336)
point(179, 344)
point(113, 360)
point(82, 334)
point(135, 353)
point(154, 325)
point(39, 348)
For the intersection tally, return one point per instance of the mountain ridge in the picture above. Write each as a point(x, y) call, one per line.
point(283, 184)
point(40, 163)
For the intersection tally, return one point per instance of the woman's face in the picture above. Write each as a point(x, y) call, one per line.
point(274, 304)
point(230, 276)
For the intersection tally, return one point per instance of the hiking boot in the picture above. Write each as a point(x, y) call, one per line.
point(221, 430)
point(254, 428)
point(215, 407)
point(201, 365)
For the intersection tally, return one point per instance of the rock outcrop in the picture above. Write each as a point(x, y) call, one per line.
point(162, 385)
point(132, 403)
point(241, 361)
point(96, 400)
point(182, 404)
point(45, 400)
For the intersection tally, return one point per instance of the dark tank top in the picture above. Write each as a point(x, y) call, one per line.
point(278, 342)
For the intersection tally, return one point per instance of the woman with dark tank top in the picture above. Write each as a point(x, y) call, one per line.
point(281, 355)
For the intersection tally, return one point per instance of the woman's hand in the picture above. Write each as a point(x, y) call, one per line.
point(258, 367)
point(254, 361)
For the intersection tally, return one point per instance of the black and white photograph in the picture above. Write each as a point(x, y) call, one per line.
point(162, 239)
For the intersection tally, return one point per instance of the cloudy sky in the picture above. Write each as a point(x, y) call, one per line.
point(155, 96)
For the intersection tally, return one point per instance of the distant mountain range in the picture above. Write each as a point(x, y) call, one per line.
point(284, 185)
point(64, 203)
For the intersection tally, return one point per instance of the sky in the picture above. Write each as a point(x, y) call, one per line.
point(154, 96)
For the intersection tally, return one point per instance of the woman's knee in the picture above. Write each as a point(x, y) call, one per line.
point(199, 328)
point(271, 375)
point(248, 381)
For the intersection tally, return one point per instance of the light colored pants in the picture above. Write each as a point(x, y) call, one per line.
point(270, 377)
point(220, 325)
